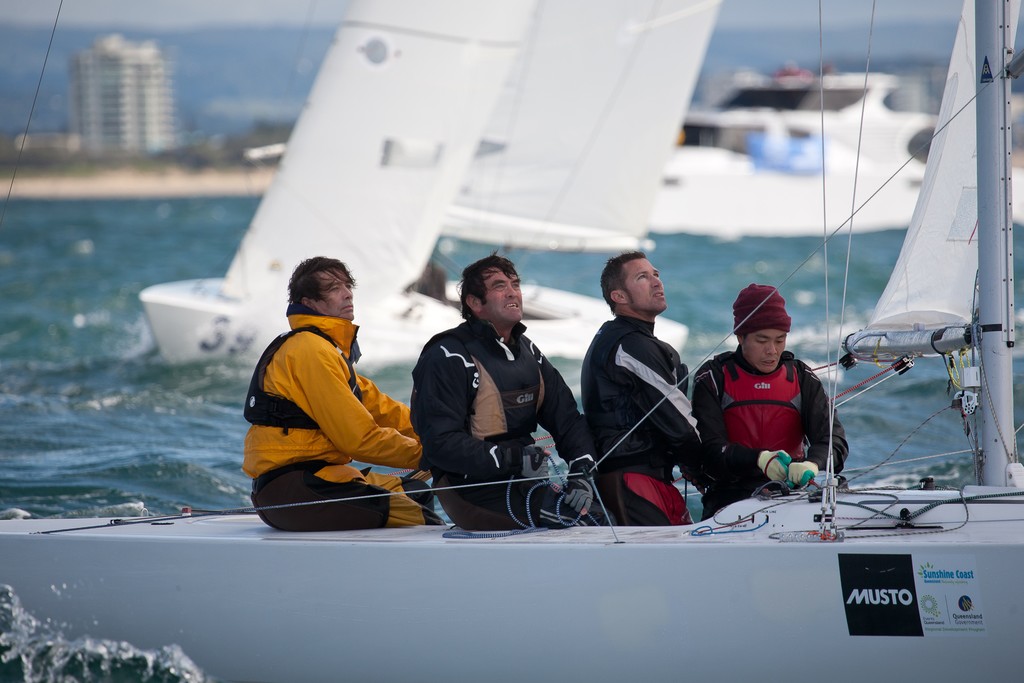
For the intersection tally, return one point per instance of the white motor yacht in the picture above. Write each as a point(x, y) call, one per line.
point(760, 163)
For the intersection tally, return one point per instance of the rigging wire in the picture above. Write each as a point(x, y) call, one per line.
point(31, 112)
point(306, 24)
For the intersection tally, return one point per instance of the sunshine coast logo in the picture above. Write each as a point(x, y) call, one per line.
point(929, 573)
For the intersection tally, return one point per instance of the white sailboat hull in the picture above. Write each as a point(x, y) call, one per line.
point(249, 603)
point(192, 321)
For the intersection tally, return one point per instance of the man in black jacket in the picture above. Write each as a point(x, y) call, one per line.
point(479, 392)
point(763, 415)
point(634, 398)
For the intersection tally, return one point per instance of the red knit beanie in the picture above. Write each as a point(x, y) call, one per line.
point(759, 307)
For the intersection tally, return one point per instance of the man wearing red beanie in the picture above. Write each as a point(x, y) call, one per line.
point(762, 414)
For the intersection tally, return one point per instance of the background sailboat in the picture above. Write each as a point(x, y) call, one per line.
point(392, 121)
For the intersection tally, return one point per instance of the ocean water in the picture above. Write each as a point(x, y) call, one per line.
point(95, 423)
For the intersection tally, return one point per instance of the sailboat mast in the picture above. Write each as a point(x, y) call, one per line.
point(995, 26)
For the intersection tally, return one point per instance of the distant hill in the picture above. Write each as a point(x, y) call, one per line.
point(227, 79)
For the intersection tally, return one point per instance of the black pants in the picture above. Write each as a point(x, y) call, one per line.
point(486, 508)
point(715, 499)
point(302, 497)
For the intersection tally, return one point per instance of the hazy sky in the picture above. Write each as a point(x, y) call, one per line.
point(187, 13)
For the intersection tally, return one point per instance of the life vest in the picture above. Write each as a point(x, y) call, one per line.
point(268, 410)
point(505, 395)
point(763, 411)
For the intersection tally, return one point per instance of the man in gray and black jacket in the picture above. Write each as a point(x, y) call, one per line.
point(634, 398)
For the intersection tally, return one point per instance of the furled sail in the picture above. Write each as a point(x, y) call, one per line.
point(574, 153)
point(929, 303)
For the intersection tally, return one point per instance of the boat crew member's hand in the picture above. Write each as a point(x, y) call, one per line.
point(535, 462)
point(802, 473)
point(774, 464)
point(579, 495)
point(584, 465)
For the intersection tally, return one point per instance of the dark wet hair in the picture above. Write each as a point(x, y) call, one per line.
point(472, 283)
point(310, 277)
point(612, 277)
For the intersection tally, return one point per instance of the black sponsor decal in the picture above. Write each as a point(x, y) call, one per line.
point(879, 595)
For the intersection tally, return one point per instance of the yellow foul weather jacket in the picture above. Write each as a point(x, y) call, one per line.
point(312, 373)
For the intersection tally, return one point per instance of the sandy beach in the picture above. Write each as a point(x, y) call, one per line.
point(169, 182)
point(131, 183)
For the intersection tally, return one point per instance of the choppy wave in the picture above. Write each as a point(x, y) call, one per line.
point(37, 652)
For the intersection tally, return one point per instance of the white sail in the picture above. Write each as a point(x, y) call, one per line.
point(574, 154)
point(381, 145)
point(932, 286)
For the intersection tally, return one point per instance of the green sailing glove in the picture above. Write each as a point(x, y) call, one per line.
point(774, 464)
point(802, 473)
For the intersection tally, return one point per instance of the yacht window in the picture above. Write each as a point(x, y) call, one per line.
point(788, 99)
point(700, 136)
point(767, 98)
point(835, 99)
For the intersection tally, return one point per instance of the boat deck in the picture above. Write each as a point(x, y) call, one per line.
point(862, 516)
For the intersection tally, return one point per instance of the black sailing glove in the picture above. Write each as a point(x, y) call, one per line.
point(535, 462)
point(579, 491)
point(528, 462)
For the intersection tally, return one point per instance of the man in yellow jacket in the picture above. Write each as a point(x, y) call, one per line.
point(312, 415)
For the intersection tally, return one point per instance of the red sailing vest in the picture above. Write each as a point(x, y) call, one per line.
point(763, 411)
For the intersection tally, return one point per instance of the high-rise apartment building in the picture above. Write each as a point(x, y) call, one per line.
point(121, 97)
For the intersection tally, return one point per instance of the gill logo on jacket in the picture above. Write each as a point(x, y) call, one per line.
point(763, 385)
point(525, 398)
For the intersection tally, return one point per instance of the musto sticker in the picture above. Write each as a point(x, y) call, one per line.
point(904, 595)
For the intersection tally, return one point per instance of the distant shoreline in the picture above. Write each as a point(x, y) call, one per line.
point(169, 183)
point(136, 184)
